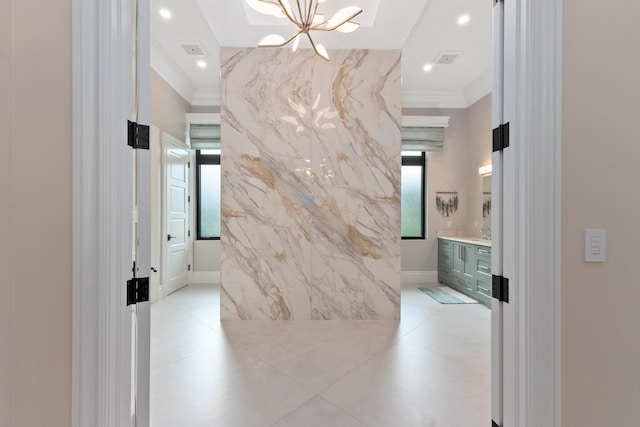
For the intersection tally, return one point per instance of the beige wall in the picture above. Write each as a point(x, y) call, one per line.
point(205, 109)
point(478, 151)
point(6, 216)
point(600, 174)
point(168, 111)
point(168, 108)
point(206, 255)
point(36, 211)
point(467, 147)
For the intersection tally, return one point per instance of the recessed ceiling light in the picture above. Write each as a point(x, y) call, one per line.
point(464, 20)
point(202, 64)
point(427, 68)
point(165, 13)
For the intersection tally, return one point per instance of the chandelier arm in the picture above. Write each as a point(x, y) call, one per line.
point(293, 37)
point(300, 12)
point(309, 15)
point(283, 43)
point(315, 48)
point(316, 27)
point(286, 12)
point(315, 11)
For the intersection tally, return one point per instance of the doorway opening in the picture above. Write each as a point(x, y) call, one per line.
point(190, 347)
point(528, 120)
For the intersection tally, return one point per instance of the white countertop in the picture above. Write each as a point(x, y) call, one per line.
point(470, 240)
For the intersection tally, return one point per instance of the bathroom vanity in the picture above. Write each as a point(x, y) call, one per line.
point(464, 264)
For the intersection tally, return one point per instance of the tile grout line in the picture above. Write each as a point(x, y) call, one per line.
point(293, 410)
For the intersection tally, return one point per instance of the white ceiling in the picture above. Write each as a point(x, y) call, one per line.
point(421, 28)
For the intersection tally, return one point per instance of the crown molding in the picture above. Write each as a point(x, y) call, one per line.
point(426, 121)
point(416, 99)
point(171, 73)
point(472, 93)
point(206, 97)
point(478, 88)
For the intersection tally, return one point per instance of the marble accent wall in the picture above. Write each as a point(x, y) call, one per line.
point(310, 185)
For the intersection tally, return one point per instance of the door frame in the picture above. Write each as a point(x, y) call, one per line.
point(102, 206)
point(101, 365)
point(536, 136)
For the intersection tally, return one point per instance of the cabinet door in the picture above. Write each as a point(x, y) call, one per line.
point(457, 264)
point(462, 266)
point(469, 266)
point(469, 260)
point(444, 261)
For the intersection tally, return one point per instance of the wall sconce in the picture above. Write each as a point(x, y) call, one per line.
point(485, 170)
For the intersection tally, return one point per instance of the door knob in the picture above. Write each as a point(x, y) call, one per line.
point(169, 237)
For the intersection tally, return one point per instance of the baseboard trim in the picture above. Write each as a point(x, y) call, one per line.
point(205, 277)
point(419, 277)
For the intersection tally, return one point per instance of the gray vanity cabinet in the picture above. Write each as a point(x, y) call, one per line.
point(483, 274)
point(466, 268)
point(444, 261)
point(463, 266)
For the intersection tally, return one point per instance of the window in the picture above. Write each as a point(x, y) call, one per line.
point(208, 181)
point(412, 198)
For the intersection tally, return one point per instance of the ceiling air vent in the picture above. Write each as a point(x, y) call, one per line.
point(447, 57)
point(193, 48)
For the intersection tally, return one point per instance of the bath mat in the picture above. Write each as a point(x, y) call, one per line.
point(446, 295)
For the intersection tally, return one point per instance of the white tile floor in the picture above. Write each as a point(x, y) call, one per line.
point(430, 369)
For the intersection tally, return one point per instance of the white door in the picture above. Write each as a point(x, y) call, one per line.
point(155, 277)
point(176, 273)
point(503, 227)
point(141, 311)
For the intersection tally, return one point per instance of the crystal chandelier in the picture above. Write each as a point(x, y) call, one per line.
point(307, 19)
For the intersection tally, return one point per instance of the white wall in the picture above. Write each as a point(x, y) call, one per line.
point(600, 177)
point(36, 213)
point(467, 147)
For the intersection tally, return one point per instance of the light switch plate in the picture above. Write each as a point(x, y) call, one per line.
point(595, 245)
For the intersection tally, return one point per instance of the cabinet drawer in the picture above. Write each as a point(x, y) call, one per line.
point(483, 265)
point(483, 250)
point(483, 286)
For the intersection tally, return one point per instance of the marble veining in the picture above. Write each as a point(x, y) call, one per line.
point(311, 185)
